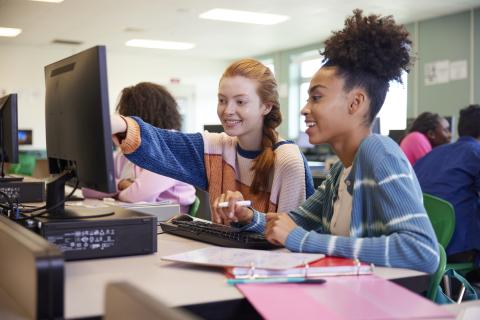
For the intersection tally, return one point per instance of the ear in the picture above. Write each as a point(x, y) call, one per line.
point(358, 101)
point(268, 108)
point(431, 134)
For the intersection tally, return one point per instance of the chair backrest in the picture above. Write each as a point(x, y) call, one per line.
point(442, 217)
point(26, 165)
point(126, 301)
point(436, 278)
point(194, 207)
point(204, 211)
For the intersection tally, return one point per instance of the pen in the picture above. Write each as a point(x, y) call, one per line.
point(275, 280)
point(244, 203)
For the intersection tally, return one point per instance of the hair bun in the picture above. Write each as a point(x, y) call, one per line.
point(372, 44)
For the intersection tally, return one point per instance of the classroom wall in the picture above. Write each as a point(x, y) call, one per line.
point(21, 71)
point(454, 37)
point(448, 38)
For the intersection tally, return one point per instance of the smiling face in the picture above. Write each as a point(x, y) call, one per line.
point(441, 134)
point(241, 111)
point(328, 114)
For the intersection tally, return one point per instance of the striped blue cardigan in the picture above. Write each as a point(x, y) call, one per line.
point(389, 225)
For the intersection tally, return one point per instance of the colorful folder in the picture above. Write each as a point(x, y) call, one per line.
point(349, 297)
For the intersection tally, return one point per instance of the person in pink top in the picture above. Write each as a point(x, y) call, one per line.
point(155, 105)
point(428, 131)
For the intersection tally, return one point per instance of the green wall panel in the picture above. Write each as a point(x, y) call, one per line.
point(443, 38)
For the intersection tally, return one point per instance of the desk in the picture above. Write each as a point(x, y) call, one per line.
point(174, 283)
point(457, 308)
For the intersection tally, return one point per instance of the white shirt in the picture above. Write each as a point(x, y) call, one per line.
point(342, 208)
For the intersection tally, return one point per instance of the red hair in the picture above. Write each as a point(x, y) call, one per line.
point(268, 93)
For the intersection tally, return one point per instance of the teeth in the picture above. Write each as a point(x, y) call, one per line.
point(232, 121)
point(310, 124)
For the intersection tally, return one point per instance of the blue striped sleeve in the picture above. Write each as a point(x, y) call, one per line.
point(173, 154)
point(398, 235)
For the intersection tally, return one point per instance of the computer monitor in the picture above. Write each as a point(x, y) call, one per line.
point(25, 137)
point(213, 128)
point(397, 135)
point(8, 134)
point(79, 138)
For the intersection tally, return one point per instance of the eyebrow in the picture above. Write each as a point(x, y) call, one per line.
point(235, 96)
point(310, 90)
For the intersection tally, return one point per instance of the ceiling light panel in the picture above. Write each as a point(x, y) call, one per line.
point(243, 16)
point(157, 44)
point(52, 1)
point(9, 32)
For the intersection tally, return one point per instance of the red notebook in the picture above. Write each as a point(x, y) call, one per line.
point(328, 266)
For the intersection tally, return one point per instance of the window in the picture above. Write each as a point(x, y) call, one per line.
point(393, 115)
point(269, 64)
point(303, 67)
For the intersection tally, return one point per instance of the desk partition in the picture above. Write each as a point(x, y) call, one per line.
point(31, 273)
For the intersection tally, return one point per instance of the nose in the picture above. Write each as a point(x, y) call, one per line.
point(229, 108)
point(305, 110)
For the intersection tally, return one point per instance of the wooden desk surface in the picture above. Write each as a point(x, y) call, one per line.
point(173, 283)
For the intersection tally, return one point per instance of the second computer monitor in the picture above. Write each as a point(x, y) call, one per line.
point(9, 129)
point(78, 119)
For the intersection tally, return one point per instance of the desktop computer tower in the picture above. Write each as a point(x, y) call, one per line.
point(27, 190)
point(124, 233)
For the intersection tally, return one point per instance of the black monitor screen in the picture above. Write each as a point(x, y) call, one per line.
point(77, 119)
point(213, 128)
point(397, 135)
point(8, 129)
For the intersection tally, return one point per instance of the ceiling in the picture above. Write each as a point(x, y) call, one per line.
point(113, 22)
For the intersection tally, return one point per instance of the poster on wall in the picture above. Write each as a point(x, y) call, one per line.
point(437, 72)
point(458, 70)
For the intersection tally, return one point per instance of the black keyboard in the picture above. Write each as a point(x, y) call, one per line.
point(217, 234)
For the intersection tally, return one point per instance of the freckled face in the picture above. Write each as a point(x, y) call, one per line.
point(326, 109)
point(240, 109)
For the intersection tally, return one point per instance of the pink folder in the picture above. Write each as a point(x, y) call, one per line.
point(347, 297)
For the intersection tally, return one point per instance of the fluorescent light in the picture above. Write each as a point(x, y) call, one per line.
point(54, 1)
point(243, 16)
point(156, 44)
point(9, 32)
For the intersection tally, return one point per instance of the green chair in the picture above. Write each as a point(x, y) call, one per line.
point(194, 207)
point(442, 217)
point(436, 278)
point(25, 166)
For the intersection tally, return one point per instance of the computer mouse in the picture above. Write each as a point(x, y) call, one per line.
point(183, 217)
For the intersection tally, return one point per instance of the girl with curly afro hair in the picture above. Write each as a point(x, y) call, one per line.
point(370, 206)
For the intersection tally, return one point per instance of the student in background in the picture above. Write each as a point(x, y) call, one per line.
point(370, 206)
point(249, 157)
point(452, 172)
point(155, 105)
point(428, 131)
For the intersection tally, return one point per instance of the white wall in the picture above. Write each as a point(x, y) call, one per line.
point(21, 71)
